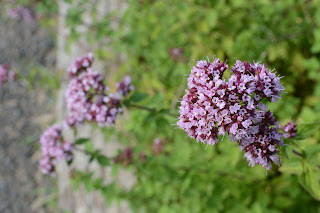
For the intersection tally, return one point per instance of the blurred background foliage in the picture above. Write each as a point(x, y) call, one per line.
point(158, 41)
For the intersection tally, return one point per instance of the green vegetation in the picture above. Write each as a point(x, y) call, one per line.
point(186, 176)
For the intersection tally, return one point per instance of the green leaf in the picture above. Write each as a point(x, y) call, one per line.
point(82, 141)
point(306, 130)
point(70, 162)
point(126, 103)
point(309, 181)
point(103, 160)
point(138, 96)
point(291, 167)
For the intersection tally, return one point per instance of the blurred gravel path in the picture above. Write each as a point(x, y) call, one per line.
point(22, 45)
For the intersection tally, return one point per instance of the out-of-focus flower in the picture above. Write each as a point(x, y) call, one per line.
point(125, 87)
point(80, 64)
point(21, 12)
point(158, 146)
point(213, 106)
point(125, 157)
point(54, 149)
point(290, 130)
point(80, 93)
point(143, 157)
point(176, 53)
point(87, 95)
point(6, 75)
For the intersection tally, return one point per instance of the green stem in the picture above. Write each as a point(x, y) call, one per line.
point(151, 110)
point(299, 154)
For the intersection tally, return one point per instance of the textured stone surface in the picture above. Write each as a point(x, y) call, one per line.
point(23, 113)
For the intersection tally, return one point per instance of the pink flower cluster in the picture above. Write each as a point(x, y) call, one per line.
point(54, 149)
point(80, 64)
point(87, 96)
point(21, 12)
point(87, 100)
point(6, 75)
point(290, 130)
point(214, 106)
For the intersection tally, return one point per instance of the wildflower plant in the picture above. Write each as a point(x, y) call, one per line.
point(214, 106)
point(245, 108)
point(87, 95)
point(88, 100)
point(54, 149)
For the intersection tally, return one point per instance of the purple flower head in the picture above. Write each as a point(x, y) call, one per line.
point(290, 130)
point(79, 95)
point(87, 98)
point(261, 142)
point(81, 64)
point(263, 82)
point(105, 112)
point(213, 106)
point(54, 149)
point(125, 87)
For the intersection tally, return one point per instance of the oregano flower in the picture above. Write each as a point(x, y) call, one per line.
point(215, 106)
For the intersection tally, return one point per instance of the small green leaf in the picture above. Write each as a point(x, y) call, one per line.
point(138, 96)
point(82, 141)
point(103, 160)
point(309, 181)
point(69, 162)
point(307, 130)
point(91, 158)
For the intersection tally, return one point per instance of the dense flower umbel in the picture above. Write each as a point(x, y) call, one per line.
point(81, 93)
point(87, 99)
point(290, 130)
point(6, 75)
point(214, 106)
point(87, 95)
point(54, 149)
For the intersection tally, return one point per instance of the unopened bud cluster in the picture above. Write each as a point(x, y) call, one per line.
point(158, 146)
point(215, 106)
point(125, 157)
